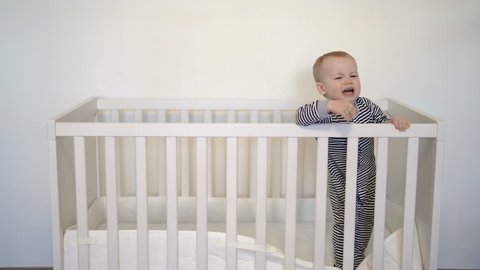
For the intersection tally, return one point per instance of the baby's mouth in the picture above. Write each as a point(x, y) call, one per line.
point(348, 91)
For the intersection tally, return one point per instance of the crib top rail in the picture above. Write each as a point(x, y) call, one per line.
point(240, 130)
point(82, 121)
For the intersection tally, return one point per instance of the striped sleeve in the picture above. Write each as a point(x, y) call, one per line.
point(377, 114)
point(313, 113)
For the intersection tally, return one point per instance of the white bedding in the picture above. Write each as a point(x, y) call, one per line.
point(246, 234)
point(216, 242)
point(187, 251)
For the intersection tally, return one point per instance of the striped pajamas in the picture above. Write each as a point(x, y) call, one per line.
point(367, 112)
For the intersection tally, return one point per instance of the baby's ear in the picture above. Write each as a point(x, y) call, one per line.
point(321, 88)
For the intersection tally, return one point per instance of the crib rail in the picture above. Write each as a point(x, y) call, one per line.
point(241, 130)
point(173, 136)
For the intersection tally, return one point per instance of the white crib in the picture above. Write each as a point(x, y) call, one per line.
point(202, 184)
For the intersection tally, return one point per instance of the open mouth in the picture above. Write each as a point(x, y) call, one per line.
point(348, 91)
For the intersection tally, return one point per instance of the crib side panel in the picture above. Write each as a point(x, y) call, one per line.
point(397, 109)
point(429, 173)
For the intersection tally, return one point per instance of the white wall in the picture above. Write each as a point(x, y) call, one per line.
point(55, 53)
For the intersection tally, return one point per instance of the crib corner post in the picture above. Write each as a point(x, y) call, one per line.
point(57, 234)
point(437, 191)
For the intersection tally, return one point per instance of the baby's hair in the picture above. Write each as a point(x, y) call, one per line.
point(318, 64)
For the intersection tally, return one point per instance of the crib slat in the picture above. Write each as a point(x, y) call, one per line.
point(283, 184)
point(409, 208)
point(380, 200)
point(112, 208)
point(161, 166)
point(261, 214)
point(185, 116)
point(321, 203)
point(243, 168)
point(301, 164)
point(208, 118)
point(202, 240)
point(185, 166)
point(82, 203)
point(278, 177)
point(172, 204)
point(161, 150)
point(209, 168)
point(231, 116)
point(161, 116)
point(231, 252)
point(279, 165)
point(185, 158)
point(254, 116)
point(142, 203)
point(253, 151)
point(114, 116)
point(291, 203)
point(253, 167)
point(138, 116)
point(350, 203)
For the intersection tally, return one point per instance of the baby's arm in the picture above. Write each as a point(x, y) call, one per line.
point(400, 123)
point(313, 113)
point(320, 112)
point(345, 108)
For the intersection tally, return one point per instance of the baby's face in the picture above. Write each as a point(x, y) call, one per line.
point(339, 79)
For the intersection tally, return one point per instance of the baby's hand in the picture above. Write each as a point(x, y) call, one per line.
point(401, 124)
point(345, 108)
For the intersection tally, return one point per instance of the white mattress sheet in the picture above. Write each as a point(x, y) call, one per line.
point(275, 235)
point(187, 245)
point(216, 241)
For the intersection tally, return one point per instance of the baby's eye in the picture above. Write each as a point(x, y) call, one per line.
point(354, 76)
point(337, 78)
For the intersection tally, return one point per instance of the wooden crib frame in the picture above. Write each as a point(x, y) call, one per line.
point(74, 139)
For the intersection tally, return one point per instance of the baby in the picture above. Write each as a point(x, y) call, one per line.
point(337, 79)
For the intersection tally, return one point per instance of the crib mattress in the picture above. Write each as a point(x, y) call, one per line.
point(216, 245)
point(187, 245)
